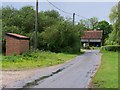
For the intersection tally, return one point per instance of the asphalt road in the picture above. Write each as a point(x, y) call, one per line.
point(76, 73)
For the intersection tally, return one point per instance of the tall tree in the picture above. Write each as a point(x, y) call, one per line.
point(27, 16)
point(114, 17)
point(114, 14)
point(106, 27)
point(90, 23)
point(49, 18)
point(93, 23)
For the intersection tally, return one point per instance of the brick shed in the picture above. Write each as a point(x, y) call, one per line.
point(16, 44)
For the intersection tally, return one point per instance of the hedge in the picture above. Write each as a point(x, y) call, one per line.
point(111, 48)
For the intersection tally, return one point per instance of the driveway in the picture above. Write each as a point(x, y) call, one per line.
point(76, 73)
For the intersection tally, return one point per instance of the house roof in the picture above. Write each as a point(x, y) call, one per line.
point(18, 36)
point(92, 34)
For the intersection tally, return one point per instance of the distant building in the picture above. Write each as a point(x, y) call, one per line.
point(92, 38)
point(16, 44)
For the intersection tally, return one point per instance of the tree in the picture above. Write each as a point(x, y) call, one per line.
point(27, 19)
point(48, 18)
point(114, 36)
point(22, 19)
point(90, 24)
point(106, 27)
point(93, 23)
point(8, 14)
point(83, 24)
point(114, 14)
point(118, 23)
point(63, 37)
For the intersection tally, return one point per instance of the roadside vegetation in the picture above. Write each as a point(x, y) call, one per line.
point(57, 36)
point(107, 75)
point(35, 59)
point(55, 33)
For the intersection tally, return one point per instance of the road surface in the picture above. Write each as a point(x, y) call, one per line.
point(76, 73)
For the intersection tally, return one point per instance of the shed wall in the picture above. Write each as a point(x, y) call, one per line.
point(24, 45)
point(12, 45)
point(16, 45)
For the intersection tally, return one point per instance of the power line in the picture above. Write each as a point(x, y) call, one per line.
point(65, 11)
point(80, 16)
point(59, 8)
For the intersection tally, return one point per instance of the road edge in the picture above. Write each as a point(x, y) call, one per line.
point(90, 84)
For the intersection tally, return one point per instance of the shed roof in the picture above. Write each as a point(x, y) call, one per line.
point(92, 34)
point(17, 36)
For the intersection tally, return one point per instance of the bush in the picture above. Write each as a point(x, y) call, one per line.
point(63, 37)
point(111, 48)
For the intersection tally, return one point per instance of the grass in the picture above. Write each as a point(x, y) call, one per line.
point(35, 59)
point(107, 75)
point(96, 48)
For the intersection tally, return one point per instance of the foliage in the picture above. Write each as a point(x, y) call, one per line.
point(54, 32)
point(61, 38)
point(90, 23)
point(114, 14)
point(48, 18)
point(21, 19)
point(93, 23)
point(82, 25)
point(111, 48)
point(35, 59)
point(114, 36)
point(106, 27)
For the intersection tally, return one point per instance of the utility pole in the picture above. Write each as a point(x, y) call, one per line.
point(36, 25)
point(73, 18)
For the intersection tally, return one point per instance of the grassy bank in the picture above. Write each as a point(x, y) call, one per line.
point(35, 59)
point(107, 76)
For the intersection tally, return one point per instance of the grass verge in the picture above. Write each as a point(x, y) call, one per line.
point(35, 59)
point(107, 76)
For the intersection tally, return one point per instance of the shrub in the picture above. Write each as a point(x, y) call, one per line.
point(111, 48)
point(63, 37)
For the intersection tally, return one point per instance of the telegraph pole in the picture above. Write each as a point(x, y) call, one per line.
point(36, 25)
point(73, 18)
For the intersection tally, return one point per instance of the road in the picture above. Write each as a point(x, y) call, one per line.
point(76, 73)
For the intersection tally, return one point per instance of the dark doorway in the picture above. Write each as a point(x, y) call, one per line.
point(95, 44)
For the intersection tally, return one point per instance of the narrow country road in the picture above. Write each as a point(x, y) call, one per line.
point(76, 73)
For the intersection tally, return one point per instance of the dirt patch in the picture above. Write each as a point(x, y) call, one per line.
point(12, 76)
point(9, 77)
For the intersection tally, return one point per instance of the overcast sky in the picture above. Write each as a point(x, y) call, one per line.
point(100, 10)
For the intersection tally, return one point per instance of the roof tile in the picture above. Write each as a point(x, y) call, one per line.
point(92, 34)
